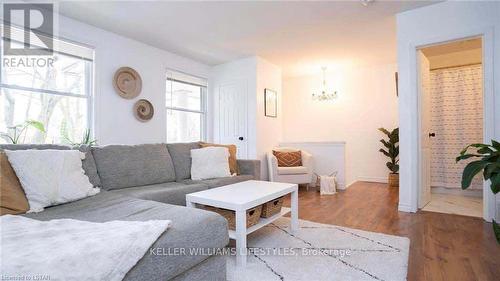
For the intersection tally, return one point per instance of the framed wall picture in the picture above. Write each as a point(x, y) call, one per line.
point(271, 103)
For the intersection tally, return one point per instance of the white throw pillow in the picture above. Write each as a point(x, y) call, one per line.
point(50, 177)
point(209, 163)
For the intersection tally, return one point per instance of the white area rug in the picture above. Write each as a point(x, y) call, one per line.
point(321, 252)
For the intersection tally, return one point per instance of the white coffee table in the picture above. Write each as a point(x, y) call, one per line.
point(242, 196)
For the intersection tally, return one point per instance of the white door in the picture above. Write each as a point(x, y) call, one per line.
point(425, 130)
point(231, 120)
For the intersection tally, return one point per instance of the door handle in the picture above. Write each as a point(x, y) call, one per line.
point(431, 135)
point(241, 138)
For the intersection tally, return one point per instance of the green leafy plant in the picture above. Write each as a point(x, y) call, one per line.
point(15, 132)
point(86, 139)
point(391, 150)
point(489, 163)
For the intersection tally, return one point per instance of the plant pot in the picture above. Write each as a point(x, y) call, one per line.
point(393, 180)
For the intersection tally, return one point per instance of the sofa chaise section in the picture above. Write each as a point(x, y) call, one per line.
point(190, 229)
point(175, 192)
point(212, 183)
point(169, 192)
point(132, 178)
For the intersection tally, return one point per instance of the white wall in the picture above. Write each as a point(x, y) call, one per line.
point(269, 129)
point(366, 101)
point(437, 23)
point(114, 119)
point(264, 133)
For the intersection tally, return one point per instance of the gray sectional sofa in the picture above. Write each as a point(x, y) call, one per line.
point(150, 181)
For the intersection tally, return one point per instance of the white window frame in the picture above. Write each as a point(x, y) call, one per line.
point(89, 72)
point(203, 107)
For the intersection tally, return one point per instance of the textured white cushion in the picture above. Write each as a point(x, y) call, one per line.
point(292, 170)
point(209, 163)
point(50, 177)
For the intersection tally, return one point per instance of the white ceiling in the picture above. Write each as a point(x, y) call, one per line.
point(298, 36)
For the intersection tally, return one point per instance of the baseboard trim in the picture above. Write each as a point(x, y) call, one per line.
point(350, 184)
point(405, 208)
point(373, 179)
point(341, 186)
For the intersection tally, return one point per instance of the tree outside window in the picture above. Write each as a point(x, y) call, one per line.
point(57, 95)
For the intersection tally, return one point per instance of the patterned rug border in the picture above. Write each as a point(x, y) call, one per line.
point(324, 251)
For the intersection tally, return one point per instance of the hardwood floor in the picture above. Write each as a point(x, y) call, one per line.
point(442, 247)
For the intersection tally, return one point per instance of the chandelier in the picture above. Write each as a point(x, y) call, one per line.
point(324, 95)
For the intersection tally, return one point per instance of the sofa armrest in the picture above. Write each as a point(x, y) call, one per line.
point(249, 167)
point(272, 166)
point(308, 161)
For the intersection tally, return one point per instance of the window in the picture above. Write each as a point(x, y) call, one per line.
point(57, 94)
point(185, 102)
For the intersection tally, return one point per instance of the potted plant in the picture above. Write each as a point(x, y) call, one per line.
point(489, 163)
point(391, 150)
point(86, 138)
point(17, 133)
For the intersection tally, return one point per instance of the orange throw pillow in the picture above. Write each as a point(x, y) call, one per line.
point(12, 198)
point(233, 163)
point(288, 159)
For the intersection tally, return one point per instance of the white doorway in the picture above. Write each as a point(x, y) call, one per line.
point(450, 87)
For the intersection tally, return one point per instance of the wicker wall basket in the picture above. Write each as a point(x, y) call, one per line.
point(272, 207)
point(253, 215)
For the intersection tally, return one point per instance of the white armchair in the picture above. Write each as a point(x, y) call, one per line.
point(299, 175)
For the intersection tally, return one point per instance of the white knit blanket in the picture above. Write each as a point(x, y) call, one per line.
point(67, 249)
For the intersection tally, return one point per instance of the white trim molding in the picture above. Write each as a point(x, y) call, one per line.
point(487, 37)
point(349, 185)
point(422, 27)
point(404, 208)
point(373, 179)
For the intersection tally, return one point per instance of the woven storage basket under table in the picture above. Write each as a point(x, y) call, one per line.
point(253, 215)
point(272, 207)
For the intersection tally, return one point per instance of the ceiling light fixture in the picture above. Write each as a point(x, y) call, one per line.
point(324, 95)
point(366, 2)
